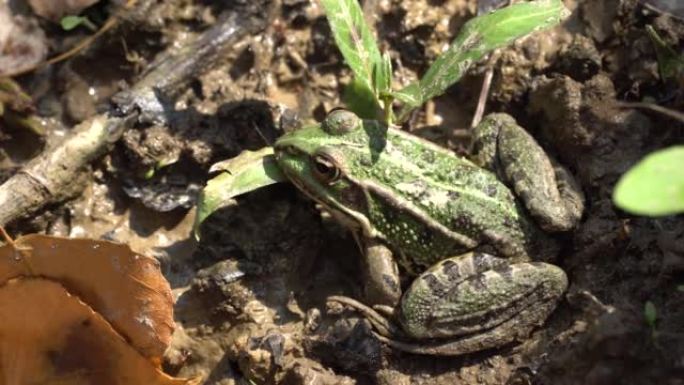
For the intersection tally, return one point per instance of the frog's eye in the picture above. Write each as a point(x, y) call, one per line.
point(340, 121)
point(325, 169)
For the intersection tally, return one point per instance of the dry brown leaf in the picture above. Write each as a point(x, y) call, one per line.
point(126, 288)
point(56, 9)
point(48, 336)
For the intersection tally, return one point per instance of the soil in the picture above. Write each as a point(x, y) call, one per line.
point(250, 296)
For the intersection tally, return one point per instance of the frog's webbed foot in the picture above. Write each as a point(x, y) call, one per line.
point(549, 191)
point(381, 323)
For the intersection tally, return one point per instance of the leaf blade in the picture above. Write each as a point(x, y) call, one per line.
point(480, 36)
point(354, 38)
point(246, 172)
point(655, 185)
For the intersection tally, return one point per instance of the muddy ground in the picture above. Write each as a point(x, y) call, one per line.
point(251, 295)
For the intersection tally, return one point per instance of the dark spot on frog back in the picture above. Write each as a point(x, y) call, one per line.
point(428, 156)
point(453, 194)
point(433, 283)
point(451, 270)
point(426, 237)
point(506, 271)
point(461, 222)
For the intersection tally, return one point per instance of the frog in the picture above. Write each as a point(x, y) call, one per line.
point(457, 250)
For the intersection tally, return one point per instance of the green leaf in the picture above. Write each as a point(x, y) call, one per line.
point(655, 185)
point(650, 314)
point(70, 22)
point(382, 75)
point(480, 36)
point(354, 38)
point(670, 64)
point(247, 172)
point(409, 95)
point(382, 79)
point(360, 100)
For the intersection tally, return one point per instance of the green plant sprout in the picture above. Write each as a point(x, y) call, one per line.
point(651, 318)
point(670, 63)
point(370, 94)
point(73, 21)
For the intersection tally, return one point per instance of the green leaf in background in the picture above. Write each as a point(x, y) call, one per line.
point(480, 36)
point(246, 172)
point(650, 314)
point(655, 185)
point(70, 22)
point(354, 38)
point(670, 64)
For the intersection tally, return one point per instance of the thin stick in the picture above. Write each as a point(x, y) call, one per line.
point(484, 91)
point(655, 108)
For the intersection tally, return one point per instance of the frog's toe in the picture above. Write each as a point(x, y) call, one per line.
point(385, 310)
point(506, 333)
point(381, 324)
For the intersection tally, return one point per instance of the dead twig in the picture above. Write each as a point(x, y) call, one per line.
point(484, 91)
point(676, 115)
point(54, 175)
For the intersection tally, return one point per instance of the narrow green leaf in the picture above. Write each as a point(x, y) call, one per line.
point(655, 185)
point(382, 78)
point(360, 100)
point(480, 36)
point(382, 75)
point(354, 38)
point(70, 22)
point(410, 95)
point(650, 314)
point(247, 172)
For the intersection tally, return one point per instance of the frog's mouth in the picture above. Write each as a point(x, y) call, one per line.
point(296, 166)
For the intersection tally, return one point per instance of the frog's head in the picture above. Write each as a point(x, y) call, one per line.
point(326, 162)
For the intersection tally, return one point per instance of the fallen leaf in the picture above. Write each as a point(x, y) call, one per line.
point(49, 336)
point(126, 288)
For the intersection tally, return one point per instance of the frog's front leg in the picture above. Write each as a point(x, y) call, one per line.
point(469, 303)
point(381, 279)
point(549, 191)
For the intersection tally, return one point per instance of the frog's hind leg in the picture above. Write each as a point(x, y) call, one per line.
point(475, 302)
point(548, 190)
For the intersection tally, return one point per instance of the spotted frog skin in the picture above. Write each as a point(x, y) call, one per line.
point(465, 232)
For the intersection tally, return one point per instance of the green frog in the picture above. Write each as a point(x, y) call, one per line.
point(465, 232)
